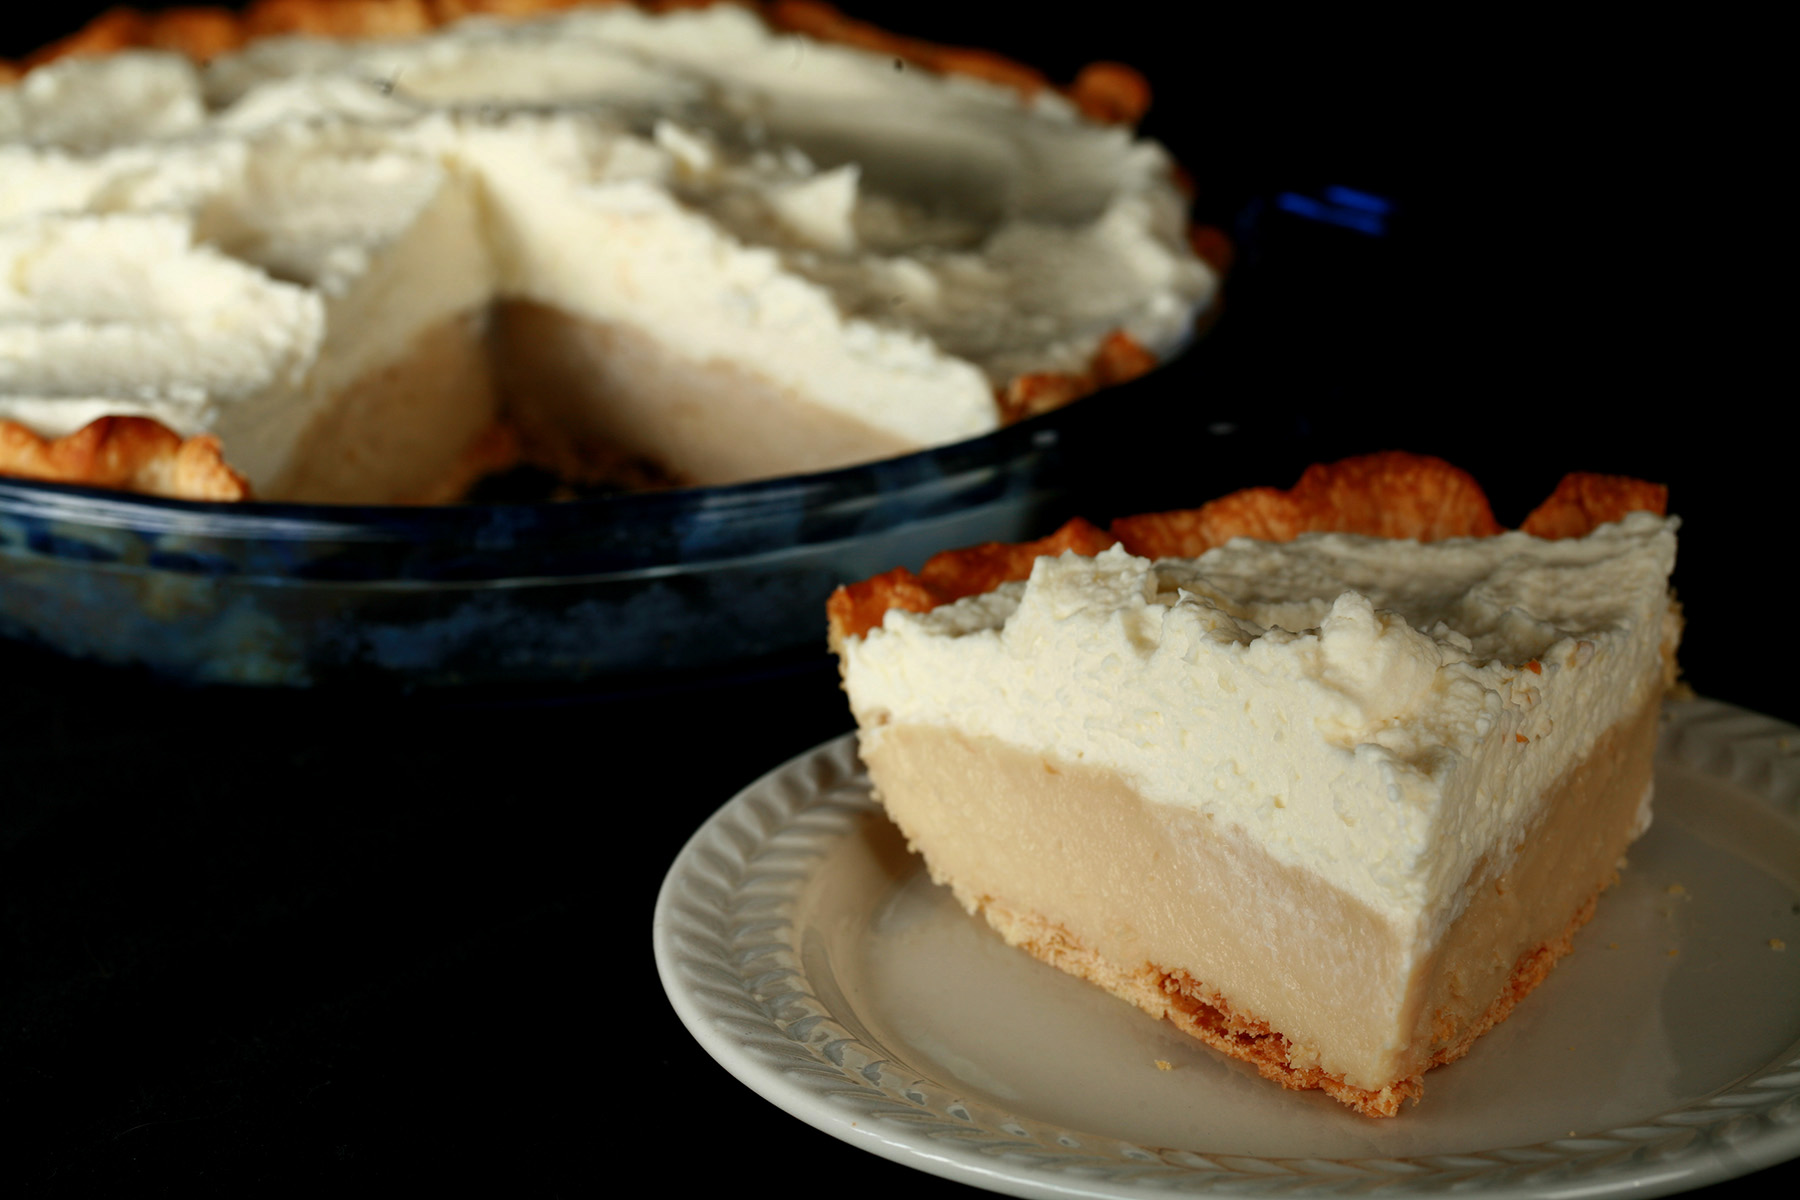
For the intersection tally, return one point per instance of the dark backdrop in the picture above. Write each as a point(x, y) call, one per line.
point(292, 942)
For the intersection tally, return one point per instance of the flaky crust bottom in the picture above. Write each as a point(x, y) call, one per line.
point(1202, 1012)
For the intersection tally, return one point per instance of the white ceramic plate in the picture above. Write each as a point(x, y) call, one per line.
point(810, 954)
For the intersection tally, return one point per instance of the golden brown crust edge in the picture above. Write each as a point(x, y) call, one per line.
point(1392, 494)
point(132, 454)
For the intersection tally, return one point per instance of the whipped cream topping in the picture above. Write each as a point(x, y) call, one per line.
point(888, 243)
point(126, 313)
point(1383, 713)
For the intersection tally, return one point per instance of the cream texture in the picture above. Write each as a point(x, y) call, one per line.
point(1385, 714)
point(892, 245)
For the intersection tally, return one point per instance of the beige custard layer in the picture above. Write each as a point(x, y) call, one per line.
point(580, 391)
point(587, 399)
point(1068, 862)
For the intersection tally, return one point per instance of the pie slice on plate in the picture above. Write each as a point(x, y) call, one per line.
point(1329, 777)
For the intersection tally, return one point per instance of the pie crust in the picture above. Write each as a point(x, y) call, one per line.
point(130, 454)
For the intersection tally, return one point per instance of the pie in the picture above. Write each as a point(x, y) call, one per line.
point(368, 251)
point(1329, 777)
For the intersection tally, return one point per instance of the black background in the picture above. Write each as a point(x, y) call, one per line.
point(290, 942)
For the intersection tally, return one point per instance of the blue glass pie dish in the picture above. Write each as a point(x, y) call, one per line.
point(597, 593)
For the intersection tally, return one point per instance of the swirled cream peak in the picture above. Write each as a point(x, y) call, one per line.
point(89, 104)
point(127, 314)
point(890, 245)
point(1379, 712)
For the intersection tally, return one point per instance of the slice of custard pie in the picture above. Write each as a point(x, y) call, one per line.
point(1327, 777)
